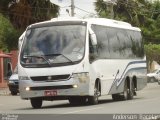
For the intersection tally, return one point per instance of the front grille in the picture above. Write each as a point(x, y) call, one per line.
point(52, 87)
point(51, 78)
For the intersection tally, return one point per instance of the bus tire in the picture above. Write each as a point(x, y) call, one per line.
point(72, 100)
point(131, 91)
point(36, 103)
point(125, 95)
point(83, 100)
point(93, 100)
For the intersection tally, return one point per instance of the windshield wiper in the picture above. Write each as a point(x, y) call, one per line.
point(58, 55)
point(37, 56)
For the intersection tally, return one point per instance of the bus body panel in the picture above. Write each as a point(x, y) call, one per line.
point(113, 76)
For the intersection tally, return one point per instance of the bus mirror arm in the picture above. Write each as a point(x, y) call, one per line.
point(93, 37)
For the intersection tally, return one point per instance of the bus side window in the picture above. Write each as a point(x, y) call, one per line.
point(92, 51)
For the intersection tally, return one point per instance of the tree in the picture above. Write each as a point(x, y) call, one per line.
point(152, 53)
point(8, 35)
point(24, 12)
point(101, 8)
point(4, 6)
point(125, 10)
point(152, 23)
point(131, 11)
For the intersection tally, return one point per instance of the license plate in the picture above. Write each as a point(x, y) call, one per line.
point(50, 93)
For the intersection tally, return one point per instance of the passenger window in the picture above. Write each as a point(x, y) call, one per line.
point(118, 43)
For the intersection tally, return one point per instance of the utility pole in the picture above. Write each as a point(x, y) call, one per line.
point(72, 8)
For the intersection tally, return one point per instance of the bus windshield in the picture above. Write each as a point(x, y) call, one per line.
point(53, 45)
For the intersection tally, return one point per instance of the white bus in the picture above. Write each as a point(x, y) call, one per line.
point(81, 60)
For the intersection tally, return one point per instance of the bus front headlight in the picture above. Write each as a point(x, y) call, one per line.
point(27, 88)
point(24, 78)
point(82, 77)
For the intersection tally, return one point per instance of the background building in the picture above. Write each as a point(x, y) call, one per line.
point(7, 63)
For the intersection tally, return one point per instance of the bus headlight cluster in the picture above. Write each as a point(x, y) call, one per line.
point(75, 86)
point(24, 78)
point(82, 77)
point(27, 88)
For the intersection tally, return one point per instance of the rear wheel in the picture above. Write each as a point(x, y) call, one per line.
point(36, 102)
point(128, 91)
point(131, 91)
point(125, 94)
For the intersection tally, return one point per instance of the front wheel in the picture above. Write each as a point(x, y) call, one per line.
point(152, 80)
point(73, 101)
point(93, 100)
point(77, 100)
point(36, 102)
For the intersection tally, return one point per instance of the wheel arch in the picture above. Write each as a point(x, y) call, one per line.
point(127, 82)
point(134, 80)
point(98, 82)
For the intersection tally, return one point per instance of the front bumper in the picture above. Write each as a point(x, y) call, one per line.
point(64, 88)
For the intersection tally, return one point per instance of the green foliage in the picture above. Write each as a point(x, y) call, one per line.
point(25, 12)
point(4, 6)
point(8, 35)
point(140, 13)
point(22, 13)
point(152, 52)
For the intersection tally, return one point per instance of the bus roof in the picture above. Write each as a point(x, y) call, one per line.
point(97, 21)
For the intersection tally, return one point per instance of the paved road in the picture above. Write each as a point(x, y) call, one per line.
point(146, 101)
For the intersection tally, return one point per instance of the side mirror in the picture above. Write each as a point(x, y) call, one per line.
point(93, 37)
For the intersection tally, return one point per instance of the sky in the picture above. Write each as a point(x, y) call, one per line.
point(83, 8)
point(87, 7)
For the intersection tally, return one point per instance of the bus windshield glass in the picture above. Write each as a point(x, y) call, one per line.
point(53, 45)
